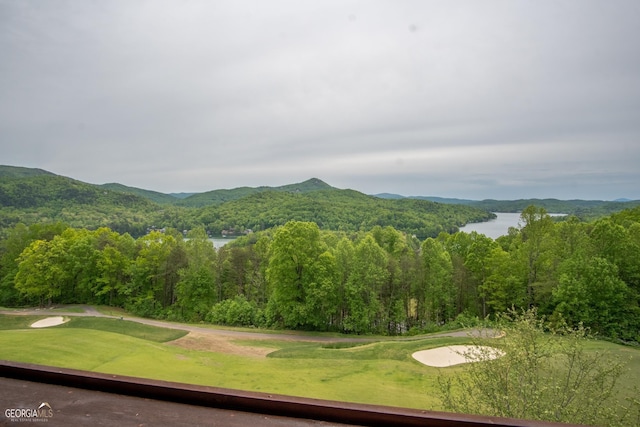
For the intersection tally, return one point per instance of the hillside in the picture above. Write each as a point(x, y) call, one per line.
point(46, 197)
point(335, 209)
point(7, 172)
point(34, 195)
point(216, 197)
point(39, 196)
point(154, 196)
point(584, 209)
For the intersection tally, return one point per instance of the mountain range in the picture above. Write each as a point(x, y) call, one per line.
point(34, 195)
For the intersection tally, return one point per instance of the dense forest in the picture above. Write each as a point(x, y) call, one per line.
point(299, 276)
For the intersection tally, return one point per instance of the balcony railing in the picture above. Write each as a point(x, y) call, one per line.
point(295, 408)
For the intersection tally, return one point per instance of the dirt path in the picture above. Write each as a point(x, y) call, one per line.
point(219, 344)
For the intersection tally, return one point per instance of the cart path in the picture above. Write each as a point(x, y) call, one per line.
point(90, 311)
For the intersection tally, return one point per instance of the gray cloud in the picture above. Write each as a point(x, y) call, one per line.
point(501, 99)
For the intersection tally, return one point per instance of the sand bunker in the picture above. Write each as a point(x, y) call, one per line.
point(49, 321)
point(455, 354)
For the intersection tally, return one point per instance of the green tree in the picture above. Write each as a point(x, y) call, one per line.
point(438, 295)
point(195, 291)
point(344, 254)
point(322, 296)
point(78, 260)
point(113, 268)
point(155, 273)
point(620, 246)
point(463, 281)
point(590, 292)
point(294, 269)
point(17, 240)
point(537, 226)
point(502, 287)
point(478, 263)
point(368, 275)
point(40, 270)
point(541, 376)
point(395, 293)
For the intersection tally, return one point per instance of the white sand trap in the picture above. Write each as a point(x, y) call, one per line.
point(49, 321)
point(455, 354)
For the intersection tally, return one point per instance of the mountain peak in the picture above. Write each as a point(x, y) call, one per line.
point(309, 185)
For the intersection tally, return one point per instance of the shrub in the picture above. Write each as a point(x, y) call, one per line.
point(234, 312)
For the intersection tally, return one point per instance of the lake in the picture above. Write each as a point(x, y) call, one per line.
point(495, 227)
point(219, 242)
point(499, 226)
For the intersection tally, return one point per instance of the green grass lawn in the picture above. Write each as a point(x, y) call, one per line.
point(17, 322)
point(378, 381)
point(381, 372)
point(125, 327)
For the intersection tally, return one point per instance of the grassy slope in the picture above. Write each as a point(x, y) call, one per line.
point(124, 327)
point(378, 373)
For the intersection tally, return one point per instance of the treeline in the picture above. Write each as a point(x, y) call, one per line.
point(298, 276)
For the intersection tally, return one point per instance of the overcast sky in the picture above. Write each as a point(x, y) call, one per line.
point(472, 99)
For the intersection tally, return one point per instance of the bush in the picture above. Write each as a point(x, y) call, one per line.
point(234, 312)
point(544, 374)
point(467, 320)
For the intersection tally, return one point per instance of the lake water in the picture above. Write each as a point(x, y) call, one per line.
point(219, 242)
point(499, 226)
point(495, 227)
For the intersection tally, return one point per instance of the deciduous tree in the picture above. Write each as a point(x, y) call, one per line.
point(541, 375)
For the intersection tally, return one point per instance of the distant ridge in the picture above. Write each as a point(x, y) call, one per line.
point(32, 196)
point(154, 196)
point(36, 197)
point(216, 197)
point(389, 196)
point(21, 172)
point(181, 195)
point(447, 200)
point(581, 208)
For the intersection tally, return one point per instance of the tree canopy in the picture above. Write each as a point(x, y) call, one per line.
point(380, 280)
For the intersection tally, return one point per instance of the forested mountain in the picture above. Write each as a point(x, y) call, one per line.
point(35, 196)
point(45, 198)
point(7, 172)
point(585, 209)
point(334, 209)
point(154, 196)
point(217, 197)
point(447, 200)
